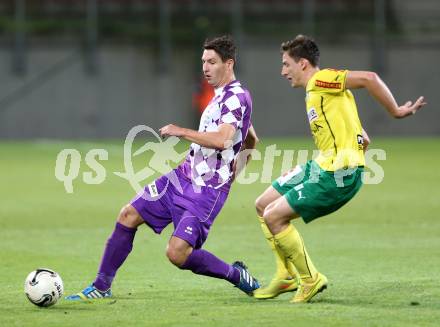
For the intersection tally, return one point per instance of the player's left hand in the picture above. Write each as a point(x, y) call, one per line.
point(410, 108)
point(171, 130)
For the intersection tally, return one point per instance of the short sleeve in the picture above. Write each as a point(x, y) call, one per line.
point(231, 110)
point(328, 80)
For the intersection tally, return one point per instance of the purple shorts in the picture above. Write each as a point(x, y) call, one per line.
point(173, 198)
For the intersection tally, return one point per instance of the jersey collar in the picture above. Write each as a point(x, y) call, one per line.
point(219, 90)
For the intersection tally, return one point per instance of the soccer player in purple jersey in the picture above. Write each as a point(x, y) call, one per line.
point(192, 195)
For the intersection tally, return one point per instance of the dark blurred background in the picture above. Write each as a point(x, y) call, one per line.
point(78, 69)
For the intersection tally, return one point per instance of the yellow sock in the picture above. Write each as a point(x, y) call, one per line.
point(284, 268)
point(291, 244)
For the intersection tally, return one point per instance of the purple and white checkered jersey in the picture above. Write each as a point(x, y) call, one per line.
point(232, 104)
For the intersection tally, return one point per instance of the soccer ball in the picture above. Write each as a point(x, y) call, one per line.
point(43, 287)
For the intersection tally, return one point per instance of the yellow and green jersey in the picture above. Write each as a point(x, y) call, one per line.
point(334, 121)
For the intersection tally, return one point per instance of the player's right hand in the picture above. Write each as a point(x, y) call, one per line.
point(171, 130)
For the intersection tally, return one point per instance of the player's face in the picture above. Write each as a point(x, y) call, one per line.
point(291, 70)
point(217, 72)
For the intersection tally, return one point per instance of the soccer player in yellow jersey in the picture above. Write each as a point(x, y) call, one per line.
point(326, 183)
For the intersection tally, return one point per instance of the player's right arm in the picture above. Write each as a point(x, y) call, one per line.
point(221, 139)
point(380, 91)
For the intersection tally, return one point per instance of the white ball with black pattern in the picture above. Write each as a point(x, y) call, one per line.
point(43, 287)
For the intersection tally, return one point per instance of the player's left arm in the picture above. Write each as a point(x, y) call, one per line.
point(380, 91)
point(221, 139)
point(243, 158)
point(251, 139)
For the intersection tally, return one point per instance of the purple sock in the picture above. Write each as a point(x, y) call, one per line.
point(202, 262)
point(117, 249)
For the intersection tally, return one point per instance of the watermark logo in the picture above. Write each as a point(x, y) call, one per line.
point(68, 164)
point(163, 153)
point(164, 158)
point(68, 161)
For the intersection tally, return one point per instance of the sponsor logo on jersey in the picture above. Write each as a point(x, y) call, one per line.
point(360, 141)
point(312, 115)
point(315, 128)
point(327, 85)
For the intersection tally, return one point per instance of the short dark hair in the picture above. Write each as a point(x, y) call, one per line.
point(223, 45)
point(302, 46)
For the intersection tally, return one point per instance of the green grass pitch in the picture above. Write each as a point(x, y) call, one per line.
point(381, 252)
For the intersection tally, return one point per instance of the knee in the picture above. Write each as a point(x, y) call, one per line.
point(129, 217)
point(260, 206)
point(269, 217)
point(176, 256)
